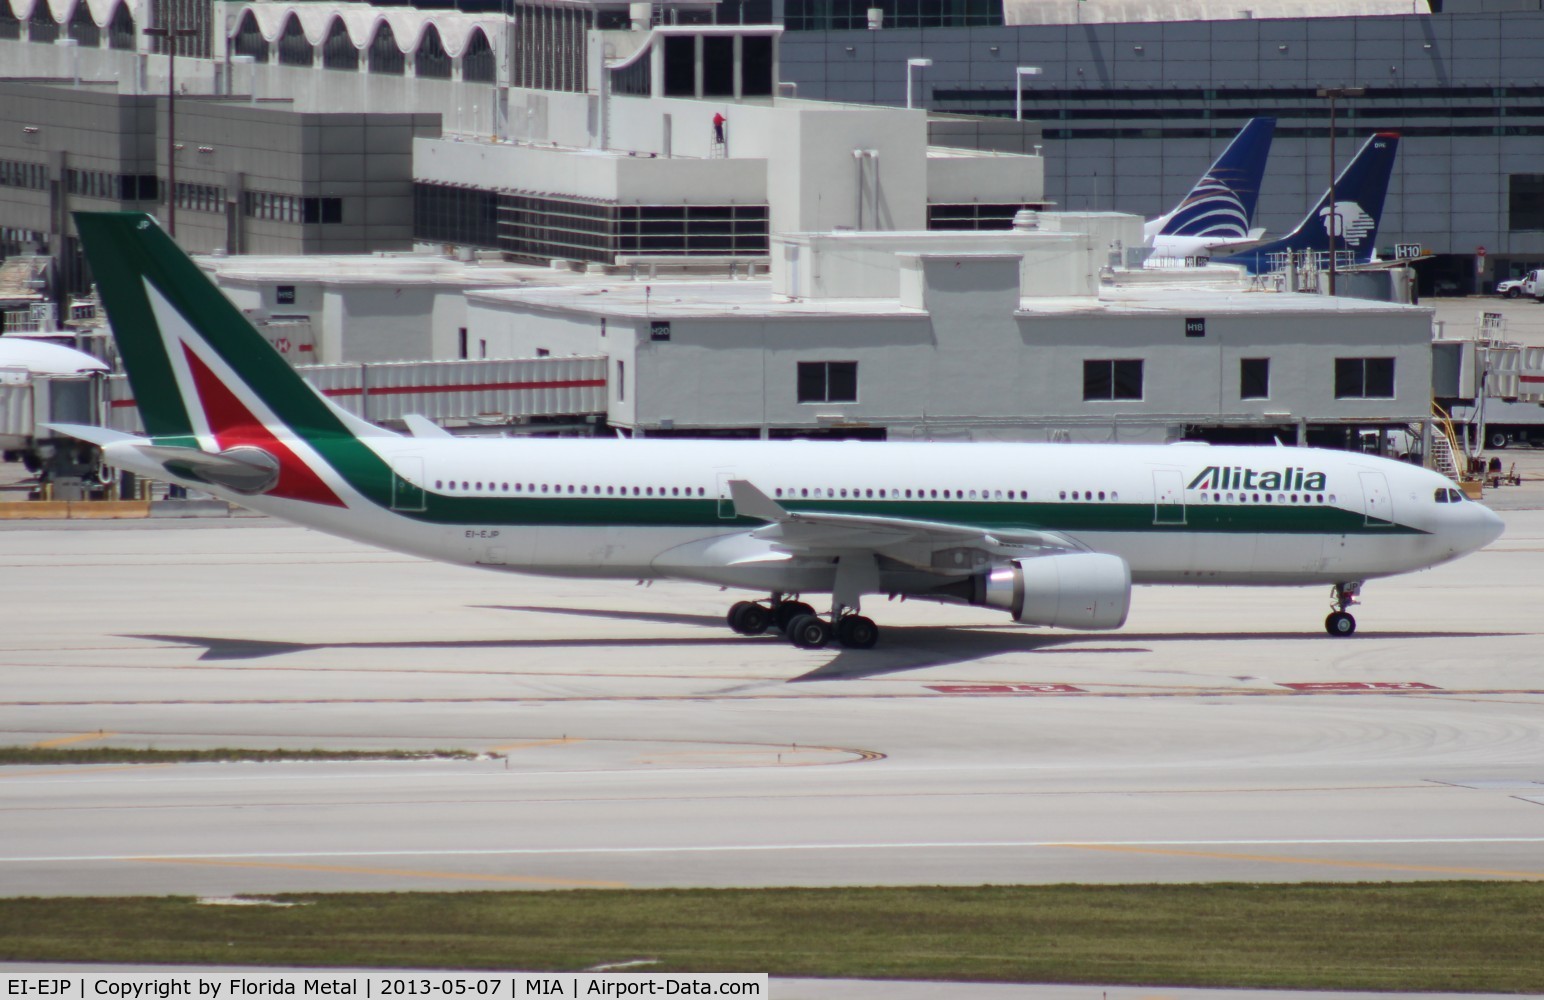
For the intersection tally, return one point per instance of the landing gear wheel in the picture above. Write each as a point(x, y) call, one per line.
point(857, 632)
point(749, 618)
point(1339, 623)
point(786, 611)
point(809, 632)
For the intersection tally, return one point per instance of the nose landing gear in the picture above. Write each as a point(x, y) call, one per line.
point(1342, 596)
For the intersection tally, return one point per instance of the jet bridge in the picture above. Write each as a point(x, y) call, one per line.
point(484, 393)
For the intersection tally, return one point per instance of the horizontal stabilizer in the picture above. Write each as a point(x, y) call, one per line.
point(91, 434)
point(243, 469)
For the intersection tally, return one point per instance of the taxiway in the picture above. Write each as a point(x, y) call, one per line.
point(632, 740)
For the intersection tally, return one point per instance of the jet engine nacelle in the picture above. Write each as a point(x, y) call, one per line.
point(1082, 590)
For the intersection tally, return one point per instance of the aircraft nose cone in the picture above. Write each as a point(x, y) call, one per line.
point(1487, 525)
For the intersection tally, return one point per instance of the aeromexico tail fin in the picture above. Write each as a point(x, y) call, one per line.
point(1222, 203)
point(205, 379)
point(1360, 191)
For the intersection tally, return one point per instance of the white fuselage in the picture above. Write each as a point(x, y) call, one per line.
point(653, 508)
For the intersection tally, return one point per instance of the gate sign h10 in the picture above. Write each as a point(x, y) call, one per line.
point(1406, 251)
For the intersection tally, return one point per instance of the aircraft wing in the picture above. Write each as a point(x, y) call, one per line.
point(820, 532)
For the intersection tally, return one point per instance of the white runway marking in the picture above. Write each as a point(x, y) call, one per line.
point(732, 848)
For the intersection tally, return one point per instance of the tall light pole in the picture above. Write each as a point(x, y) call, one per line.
point(1019, 73)
point(1332, 224)
point(171, 35)
point(916, 62)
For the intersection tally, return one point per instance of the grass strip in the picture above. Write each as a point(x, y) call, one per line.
point(128, 755)
point(1421, 936)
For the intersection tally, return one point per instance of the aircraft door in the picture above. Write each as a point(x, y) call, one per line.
point(407, 477)
point(1168, 497)
point(725, 499)
point(1377, 502)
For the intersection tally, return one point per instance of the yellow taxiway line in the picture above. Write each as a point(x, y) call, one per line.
point(61, 741)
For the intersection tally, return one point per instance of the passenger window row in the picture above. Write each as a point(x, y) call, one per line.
point(568, 489)
point(1279, 498)
point(856, 493)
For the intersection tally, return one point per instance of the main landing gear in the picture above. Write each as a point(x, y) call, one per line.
point(799, 623)
point(1343, 596)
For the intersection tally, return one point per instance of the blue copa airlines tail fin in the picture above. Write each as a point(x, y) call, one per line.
point(1222, 203)
point(1359, 193)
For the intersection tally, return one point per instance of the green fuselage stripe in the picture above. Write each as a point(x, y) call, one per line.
point(592, 511)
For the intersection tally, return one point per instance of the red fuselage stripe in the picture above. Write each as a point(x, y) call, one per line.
point(402, 390)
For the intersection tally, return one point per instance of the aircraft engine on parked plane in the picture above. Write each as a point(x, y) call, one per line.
point(1081, 590)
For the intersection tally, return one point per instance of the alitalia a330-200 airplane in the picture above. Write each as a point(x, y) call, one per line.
point(1054, 535)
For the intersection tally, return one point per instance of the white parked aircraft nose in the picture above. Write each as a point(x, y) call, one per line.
point(1481, 526)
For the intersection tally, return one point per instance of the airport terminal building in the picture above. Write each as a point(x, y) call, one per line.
point(1134, 100)
point(1129, 103)
point(748, 262)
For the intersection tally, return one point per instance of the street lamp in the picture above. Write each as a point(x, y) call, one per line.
point(1333, 222)
point(1019, 73)
point(916, 62)
point(171, 35)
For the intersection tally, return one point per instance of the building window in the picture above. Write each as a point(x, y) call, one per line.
point(974, 216)
point(1115, 379)
point(1525, 208)
point(385, 57)
point(621, 381)
point(431, 62)
point(323, 210)
point(249, 39)
point(828, 381)
point(462, 216)
point(200, 197)
point(826, 15)
point(19, 174)
point(42, 27)
point(83, 29)
point(477, 64)
point(294, 48)
point(120, 30)
point(680, 66)
point(1254, 378)
point(1364, 378)
point(339, 51)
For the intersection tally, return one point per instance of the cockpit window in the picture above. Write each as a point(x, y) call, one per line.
point(1446, 494)
point(1441, 495)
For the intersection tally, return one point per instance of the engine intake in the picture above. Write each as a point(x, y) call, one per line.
point(1081, 590)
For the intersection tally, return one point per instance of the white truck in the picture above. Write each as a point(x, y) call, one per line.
point(1529, 284)
point(1506, 424)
